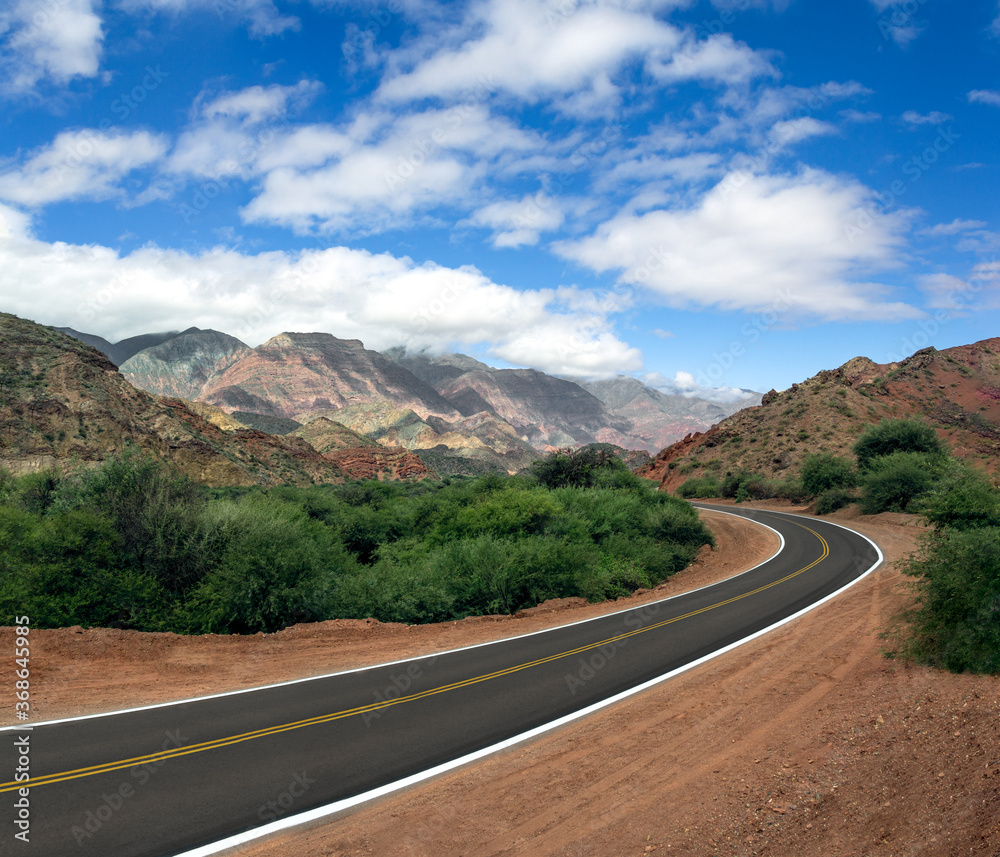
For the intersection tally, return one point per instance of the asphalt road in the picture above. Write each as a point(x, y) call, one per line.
point(164, 780)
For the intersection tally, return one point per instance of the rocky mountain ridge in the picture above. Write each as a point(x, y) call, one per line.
point(955, 390)
point(503, 417)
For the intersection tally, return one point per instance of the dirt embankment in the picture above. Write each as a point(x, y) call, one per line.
point(806, 741)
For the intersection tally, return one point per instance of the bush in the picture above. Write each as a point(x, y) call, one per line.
point(577, 468)
point(891, 436)
point(832, 499)
point(965, 501)
point(273, 567)
point(821, 472)
point(956, 624)
point(704, 487)
point(893, 482)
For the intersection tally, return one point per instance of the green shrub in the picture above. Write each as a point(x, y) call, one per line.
point(891, 436)
point(833, 499)
point(273, 567)
point(822, 471)
point(964, 501)
point(956, 623)
point(893, 482)
point(703, 487)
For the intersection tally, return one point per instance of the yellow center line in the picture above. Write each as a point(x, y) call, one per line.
point(150, 758)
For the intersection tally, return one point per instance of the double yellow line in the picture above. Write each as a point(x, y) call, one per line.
point(163, 755)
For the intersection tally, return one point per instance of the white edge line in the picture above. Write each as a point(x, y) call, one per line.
point(432, 654)
point(348, 803)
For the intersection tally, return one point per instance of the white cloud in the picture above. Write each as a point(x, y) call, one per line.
point(58, 41)
point(801, 245)
point(529, 49)
point(380, 171)
point(684, 384)
point(520, 222)
point(985, 96)
point(261, 16)
point(935, 117)
point(956, 227)
point(232, 131)
point(256, 104)
point(792, 131)
point(859, 116)
point(718, 58)
point(378, 298)
point(80, 165)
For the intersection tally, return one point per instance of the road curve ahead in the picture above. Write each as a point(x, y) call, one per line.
point(165, 780)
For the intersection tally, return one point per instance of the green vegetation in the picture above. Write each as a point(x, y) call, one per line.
point(821, 472)
point(891, 436)
point(131, 545)
point(955, 622)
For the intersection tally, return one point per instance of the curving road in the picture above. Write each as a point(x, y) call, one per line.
point(172, 779)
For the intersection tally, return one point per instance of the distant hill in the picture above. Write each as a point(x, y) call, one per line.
point(660, 418)
point(956, 390)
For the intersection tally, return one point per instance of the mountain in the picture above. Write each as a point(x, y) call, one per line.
point(657, 417)
point(62, 401)
point(119, 352)
point(297, 372)
point(956, 390)
point(183, 364)
point(553, 412)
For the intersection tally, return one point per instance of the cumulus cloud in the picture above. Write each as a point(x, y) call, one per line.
point(54, 41)
point(684, 384)
point(380, 171)
point(802, 244)
point(529, 49)
point(520, 222)
point(80, 165)
point(718, 58)
point(379, 298)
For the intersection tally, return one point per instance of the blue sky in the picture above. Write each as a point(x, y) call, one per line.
point(735, 193)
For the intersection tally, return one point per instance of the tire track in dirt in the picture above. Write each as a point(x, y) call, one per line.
point(549, 831)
